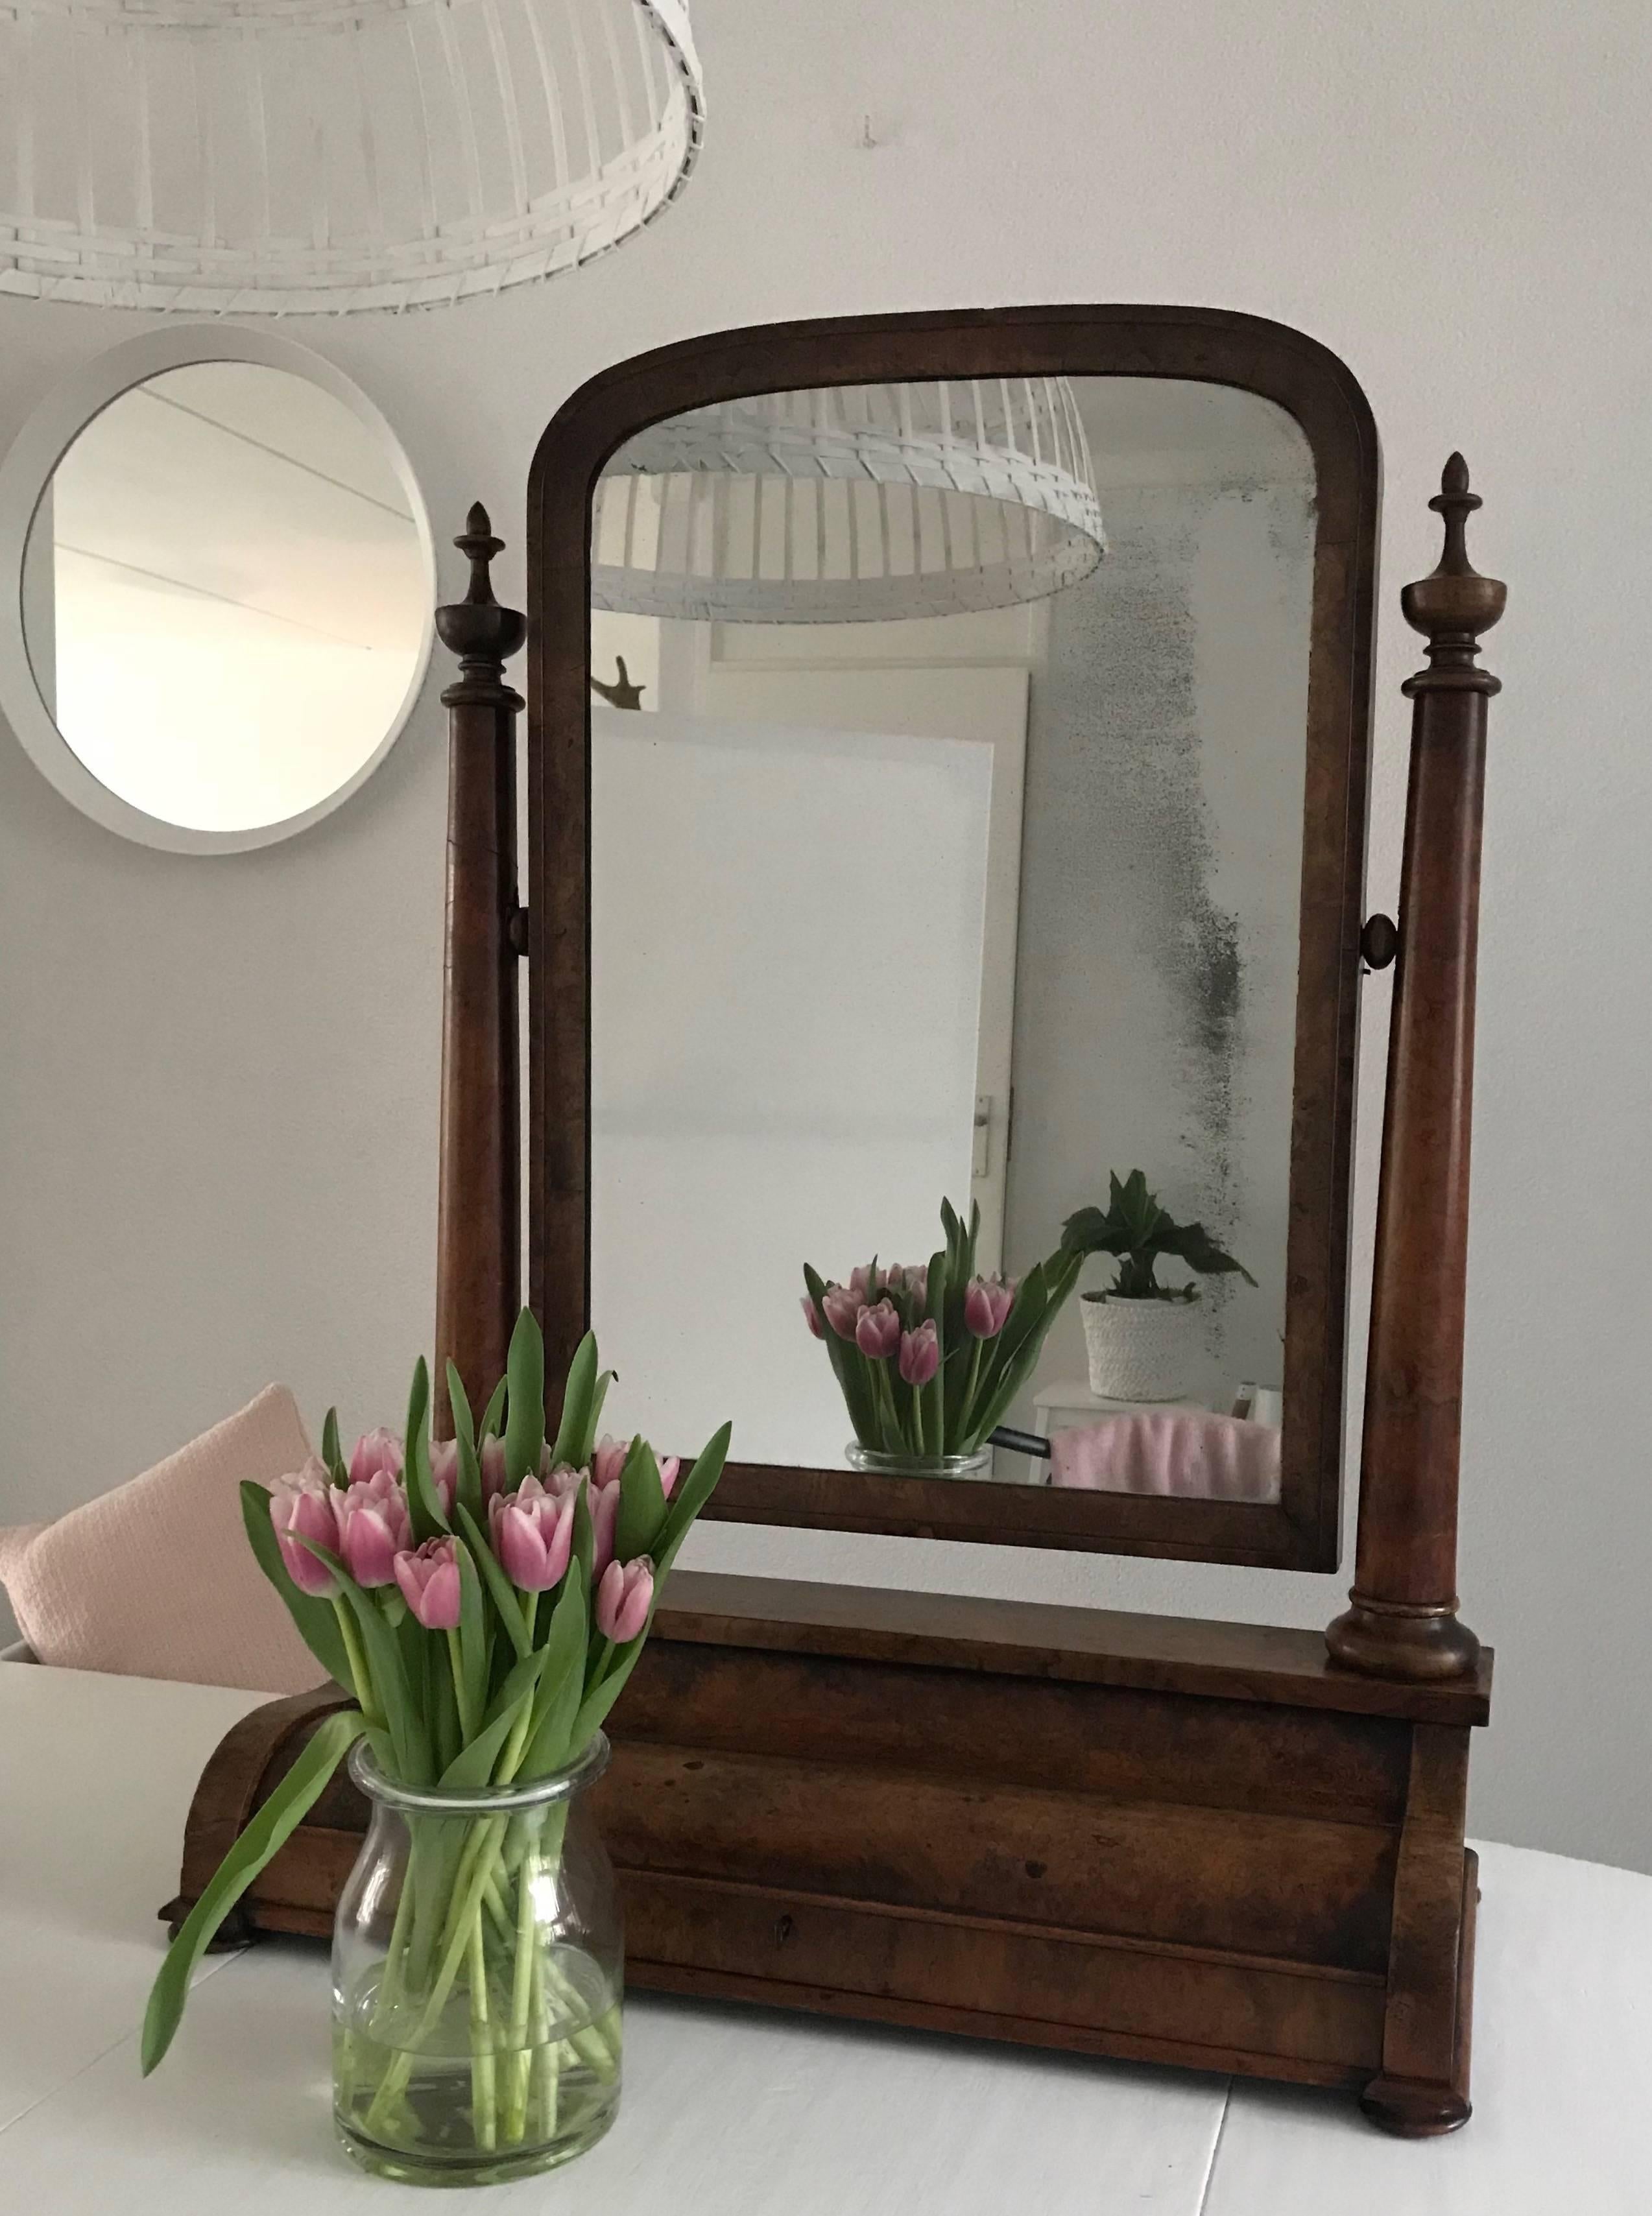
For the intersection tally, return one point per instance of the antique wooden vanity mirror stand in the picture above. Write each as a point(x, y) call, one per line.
point(1232, 1848)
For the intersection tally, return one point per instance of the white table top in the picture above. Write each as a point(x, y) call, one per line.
point(732, 2112)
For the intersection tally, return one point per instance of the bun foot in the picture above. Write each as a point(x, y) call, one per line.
point(1412, 2110)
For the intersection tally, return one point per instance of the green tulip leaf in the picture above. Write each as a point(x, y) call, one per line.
point(572, 1449)
point(424, 1508)
point(493, 1416)
point(642, 1503)
point(525, 1416)
point(506, 1601)
point(267, 1832)
point(562, 1683)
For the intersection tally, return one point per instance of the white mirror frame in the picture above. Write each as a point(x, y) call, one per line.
point(26, 472)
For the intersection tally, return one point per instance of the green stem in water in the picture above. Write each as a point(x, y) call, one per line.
point(522, 1990)
point(484, 2097)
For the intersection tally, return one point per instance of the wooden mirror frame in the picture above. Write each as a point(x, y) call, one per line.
point(1302, 1531)
point(887, 1805)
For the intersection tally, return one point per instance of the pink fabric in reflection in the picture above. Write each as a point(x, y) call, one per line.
point(1184, 1452)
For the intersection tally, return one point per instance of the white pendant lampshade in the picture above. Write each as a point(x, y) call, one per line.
point(854, 503)
point(302, 156)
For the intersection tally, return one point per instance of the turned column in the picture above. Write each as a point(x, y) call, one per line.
point(479, 1261)
point(1403, 1620)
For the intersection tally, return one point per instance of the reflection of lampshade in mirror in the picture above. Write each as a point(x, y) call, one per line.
point(283, 156)
point(852, 503)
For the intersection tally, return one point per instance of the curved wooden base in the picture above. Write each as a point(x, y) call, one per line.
point(1385, 1639)
point(1414, 2111)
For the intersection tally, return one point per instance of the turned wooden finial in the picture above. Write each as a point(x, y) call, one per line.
point(476, 629)
point(1452, 607)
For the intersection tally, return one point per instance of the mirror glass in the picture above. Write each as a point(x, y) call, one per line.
point(947, 805)
point(226, 595)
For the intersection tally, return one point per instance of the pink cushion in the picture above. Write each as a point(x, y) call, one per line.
point(156, 1579)
point(1184, 1452)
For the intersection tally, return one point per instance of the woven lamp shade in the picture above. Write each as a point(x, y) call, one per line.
point(311, 156)
point(854, 503)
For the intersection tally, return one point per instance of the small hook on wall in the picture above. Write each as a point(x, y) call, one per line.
point(619, 690)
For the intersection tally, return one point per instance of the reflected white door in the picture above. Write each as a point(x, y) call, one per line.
point(953, 677)
point(788, 928)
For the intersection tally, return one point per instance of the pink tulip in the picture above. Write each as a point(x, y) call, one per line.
point(878, 1330)
point(532, 1531)
point(671, 1470)
point(444, 1471)
point(812, 1317)
point(913, 1281)
point(609, 1460)
point(624, 1598)
point(492, 1458)
point(861, 1282)
point(986, 1304)
point(304, 1507)
point(920, 1354)
point(373, 1452)
point(429, 1578)
point(373, 1527)
point(842, 1305)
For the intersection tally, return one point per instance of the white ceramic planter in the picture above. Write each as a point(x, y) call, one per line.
point(1140, 1349)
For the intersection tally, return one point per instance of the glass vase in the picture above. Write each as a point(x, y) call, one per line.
point(877, 1463)
point(478, 1963)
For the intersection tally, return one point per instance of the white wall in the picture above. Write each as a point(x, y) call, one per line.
point(219, 1091)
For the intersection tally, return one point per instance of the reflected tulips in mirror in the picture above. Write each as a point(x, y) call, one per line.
point(929, 1357)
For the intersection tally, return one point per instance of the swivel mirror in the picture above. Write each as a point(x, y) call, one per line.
point(975, 776)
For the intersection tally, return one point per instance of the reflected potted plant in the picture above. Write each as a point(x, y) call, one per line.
point(1143, 1337)
point(930, 1356)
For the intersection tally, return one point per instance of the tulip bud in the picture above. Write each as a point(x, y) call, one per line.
point(608, 1461)
point(302, 1506)
point(624, 1598)
point(861, 1283)
point(429, 1578)
point(373, 1527)
point(842, 1305)
point(532, 1531)
point(987, 1303)
point(920, 1354)
point(373, 1452)
point(444, 1472)
point(491, 1455)
point(811, 1316)
point(878, 1330)
point(671, 1470)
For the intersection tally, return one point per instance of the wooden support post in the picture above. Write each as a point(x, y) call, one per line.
point(478, 1260)
point(1403, 1621)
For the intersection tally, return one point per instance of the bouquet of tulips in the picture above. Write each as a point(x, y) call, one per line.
point(929, 1357)
point(485, 1600)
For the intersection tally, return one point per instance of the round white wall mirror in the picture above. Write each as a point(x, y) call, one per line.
point(219, 589)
